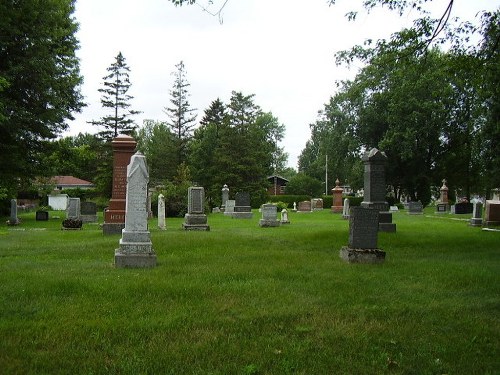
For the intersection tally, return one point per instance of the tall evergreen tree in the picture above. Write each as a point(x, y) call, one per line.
point(115, 98)
point(181, 116)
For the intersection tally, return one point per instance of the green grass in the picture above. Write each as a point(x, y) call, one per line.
point(241, 299)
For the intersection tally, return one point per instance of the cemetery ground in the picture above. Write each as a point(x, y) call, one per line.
point(241, 299)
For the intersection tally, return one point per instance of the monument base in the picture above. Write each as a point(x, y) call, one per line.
point(491, 223)
point(269, 223)
point(476, 222)
point(127, 260)
point(337, 209)
point(285, 221)
point(204, 227)
point(88, 218)
point(387, 227)
point(112, 228)
point(242, 215)
point(371, 256)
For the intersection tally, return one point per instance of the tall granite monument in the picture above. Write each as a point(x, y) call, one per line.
point(136, 249)
point(195, 219)
point(114, 216)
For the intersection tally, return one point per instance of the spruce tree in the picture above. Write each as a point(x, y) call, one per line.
point(115, 97)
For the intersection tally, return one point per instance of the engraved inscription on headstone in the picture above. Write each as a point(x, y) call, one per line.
point(195, 219)
point(363, 228)
point(269, 216)
point(73, 209)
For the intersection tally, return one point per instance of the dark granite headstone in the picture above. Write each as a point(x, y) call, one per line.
point(88, 211)
point(242, 208)
point(195, 219)
point(463, 208)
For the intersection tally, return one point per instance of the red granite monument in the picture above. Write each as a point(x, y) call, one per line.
point(337, 198)
point(114, 215)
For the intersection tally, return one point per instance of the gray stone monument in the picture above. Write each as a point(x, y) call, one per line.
point(225, 196)
point(195, 219)
point(415, 208)
point(284, 217)
point(88, 212)
point(229, 208)
point(345, 209)
point(161, 212)
point(363, 237)
point(242, 208)
point(269, 216)
point(135, 247)
point(375, 188)
point(73, 209)
point(477, 215)
point(14, 220)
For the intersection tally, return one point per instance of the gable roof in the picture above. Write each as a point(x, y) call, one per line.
point(278, 178)
point(70, 181)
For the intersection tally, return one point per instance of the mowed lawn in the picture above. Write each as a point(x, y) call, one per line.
point(241, 299)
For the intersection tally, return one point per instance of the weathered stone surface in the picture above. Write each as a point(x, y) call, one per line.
point(88, 212)
point(73, 209)
point(13, 220)
point(284, 217)
point(161, 212)
point(317, 204)
point(363, 228)
point(269, 216)
point(374, 180)
point(371, 256)
point(415, 208)
point(385, 223)
point(225, 196)
point(229, 207)
point(196, 219)
point(477, 215)
point(304, 206)
point(242, 208)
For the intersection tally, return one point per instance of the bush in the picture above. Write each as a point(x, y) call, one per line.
point(72, 223)
point(288, 199)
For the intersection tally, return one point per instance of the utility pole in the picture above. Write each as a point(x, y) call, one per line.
point(326, 174)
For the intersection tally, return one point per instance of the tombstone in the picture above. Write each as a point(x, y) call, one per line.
point(375, 188)
point(477, 215)
point(229, 208)
point(242, 208)
point(442, 204)
point(394, 208)
point(150, 202)
point(284, 217)
point(317, 204)
point(58, 202)
point(304, 206)
point(363, 237)
point(495, 194)
point(452, 209)
point(114, 215)
point(415, 208)
point(337, 198)
point(492, 213)
point(294, 209)
point(73, 209)
point(269, 216)
point(195, 219)
point(161, 212)
point(216, 210)
point(88, 212)
point(345, 209)
point(14, 220)
point(464, 208)
point(135, 247)
point(225, 196)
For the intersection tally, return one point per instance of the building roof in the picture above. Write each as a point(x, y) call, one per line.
point(70, 181)
point(271, 178)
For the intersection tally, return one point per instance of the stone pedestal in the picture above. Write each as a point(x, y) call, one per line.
point(385, 223)
point(242, 208)
point(135, 247)
point(477, 218)
point(337, 198)
point(114, 215)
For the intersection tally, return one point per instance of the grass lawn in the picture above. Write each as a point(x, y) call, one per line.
point(241, 299)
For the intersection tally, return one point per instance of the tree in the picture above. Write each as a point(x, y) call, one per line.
point(302, 184)
point(181, 115)
point(115, 98)
point(39, 82)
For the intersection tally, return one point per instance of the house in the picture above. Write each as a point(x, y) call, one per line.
point(70, 182)
point(278, 185)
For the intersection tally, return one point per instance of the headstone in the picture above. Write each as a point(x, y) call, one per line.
point(73, 209)
point(495, 194)
point(317, 204)
point(225, 196)
point(415, 208)
point(442, 204)
point(363, 237)
point(88, 212)
point(229, 208)
point(13, 220)
point(150, 202)
point(269, 216)
point(304, 206)
point(477, 215)
point(195, 219)
point(492, 213)
point(464, 208)
point(337, 197)
point(114, 215)
point(135, 247)
point(452, 209)
point(216, 210)
point(242, 208)
point(58, 202)
point(161, 212)
point(294, 209)
point(345, 209)
point(284, 217)
point(394, 208)
point(375, 188)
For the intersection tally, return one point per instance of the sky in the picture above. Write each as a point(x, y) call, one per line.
point(282, 51)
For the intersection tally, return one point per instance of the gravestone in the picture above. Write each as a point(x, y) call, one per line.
point(269, 216)
point(88, 212)
point(317, 204)
point(225, 196)
point(242, 208)
point(345, 209)
point(477, 215)
point(363, 237)
point(304, 206)
point(195, 219)
point(13, 220)
point(415, 208)
point(337, 198)
point(375, 188)
point(284, 217)
point(161, 212)
point(135, 247)
point(442, 205)
point(73, 209)
point(294, 209)
point(464, 208)
point(229, 208)
point(58, 202)
point(114, 215)
point(492, 213)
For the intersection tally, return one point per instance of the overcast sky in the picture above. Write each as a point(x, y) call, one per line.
point(280, 50)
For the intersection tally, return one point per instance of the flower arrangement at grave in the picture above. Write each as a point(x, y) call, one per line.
point(72, 224)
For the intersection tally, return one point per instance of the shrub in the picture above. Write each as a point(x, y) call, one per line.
point(288, 199)
point(72, 223)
